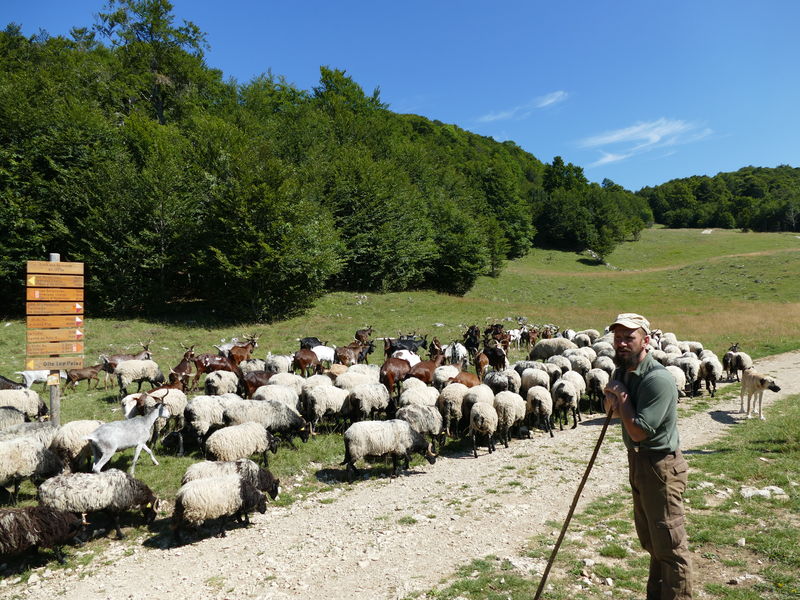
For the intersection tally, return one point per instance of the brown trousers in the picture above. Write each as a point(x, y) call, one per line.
point(658, 481)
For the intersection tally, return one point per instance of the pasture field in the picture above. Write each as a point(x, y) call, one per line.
point(683, 280)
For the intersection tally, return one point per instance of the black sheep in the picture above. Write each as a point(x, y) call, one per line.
point(36, 527)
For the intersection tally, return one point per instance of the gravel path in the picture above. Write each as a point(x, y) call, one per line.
point(382, 539)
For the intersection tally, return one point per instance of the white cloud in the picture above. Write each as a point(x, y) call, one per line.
point(525, 110)
point(643, 137)
point(551, 98)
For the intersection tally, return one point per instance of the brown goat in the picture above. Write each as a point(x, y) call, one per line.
point(90, 373)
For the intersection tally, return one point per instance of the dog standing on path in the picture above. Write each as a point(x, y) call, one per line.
point(753, 385)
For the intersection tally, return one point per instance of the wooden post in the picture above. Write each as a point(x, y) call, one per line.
point(55, 390)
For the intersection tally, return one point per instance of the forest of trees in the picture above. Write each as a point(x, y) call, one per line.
point(121, 148)
point(757, 198)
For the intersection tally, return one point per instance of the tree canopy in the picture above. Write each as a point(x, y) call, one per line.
point(757, 198)
point(121, 148)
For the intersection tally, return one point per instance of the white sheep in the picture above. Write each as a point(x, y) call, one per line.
point(112, 492)
point(411, 383)
point(23, 458)
point(10, 416)
point(539, 405)
point(578, 381)
point(315, 381)
point(532, 377)
point(221, 382)
point(604, 349)
point(204, 413)
point(680, 378)
point(275, 416)
point(449, 404)
point(690, 365)
point(514, 380)
point(371, 371)
point(710, 372)
point(349, 380)
point(482, 421)
point(226, 496)
point(596, 382)
point(424, 396)
point(426, 420)
point(478, 393)
point(291, 380)
point(262, 479)
point(173, 399)
point(660, 356)
point(137, 371)
point(323, 401)
point(70, 443)
point(562, 362)
point(279, 393)
point(365, 400)
point(544, 349)
point(252, 364)
point(27, 401)
point(668, 339)
point(565, 398)
point(510, 409)
point(580, 364)
point(582, 340)
point(442, 374)
point(278, 363)
point(379, 438)
point(605, 363)
point(42, 431)
point(241, 441)
point(586, 351)
point(593, 334)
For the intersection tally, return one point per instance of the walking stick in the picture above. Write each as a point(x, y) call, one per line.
point(572, 508)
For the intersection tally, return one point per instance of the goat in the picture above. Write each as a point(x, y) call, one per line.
point(306, 361)
point(240, 352)
point(363, 335)
point(120, 435)
point(392, 372)
point(8, 384)
point(206, 363)
point(424, 370)
point(307, 343)
point(183, 370)
point(90, 373)
point(110, 362)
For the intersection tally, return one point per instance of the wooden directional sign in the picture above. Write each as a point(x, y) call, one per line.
point(38, 336)
point(55, 308)
point(55, 321)
point(54, 281)
point(55, 294)
point(67, 362)
point(55, 268)
point(50, 348)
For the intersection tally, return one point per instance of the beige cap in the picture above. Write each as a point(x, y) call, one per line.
point(631, 321)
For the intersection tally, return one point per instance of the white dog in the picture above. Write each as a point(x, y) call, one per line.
point(754, 384)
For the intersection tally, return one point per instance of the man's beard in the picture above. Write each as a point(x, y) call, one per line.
point(627, 360)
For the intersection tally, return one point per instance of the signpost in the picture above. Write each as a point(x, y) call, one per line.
point(55, 309)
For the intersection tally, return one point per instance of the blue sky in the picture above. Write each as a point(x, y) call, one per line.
point(636, 91)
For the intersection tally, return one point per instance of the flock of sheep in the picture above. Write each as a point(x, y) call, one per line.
point(560, 376)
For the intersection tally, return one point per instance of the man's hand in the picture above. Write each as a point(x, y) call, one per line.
point(616, 395)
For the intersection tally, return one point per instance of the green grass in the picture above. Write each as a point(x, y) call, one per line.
point(682, 280)
point(770, 528)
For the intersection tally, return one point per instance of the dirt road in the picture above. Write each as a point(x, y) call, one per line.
point(382, 539)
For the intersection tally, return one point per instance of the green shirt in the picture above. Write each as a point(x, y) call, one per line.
point(654, 396)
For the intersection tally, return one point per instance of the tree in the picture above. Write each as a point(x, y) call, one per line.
point(162, 58)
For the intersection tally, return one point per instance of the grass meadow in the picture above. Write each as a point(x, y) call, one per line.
point(720, 288)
